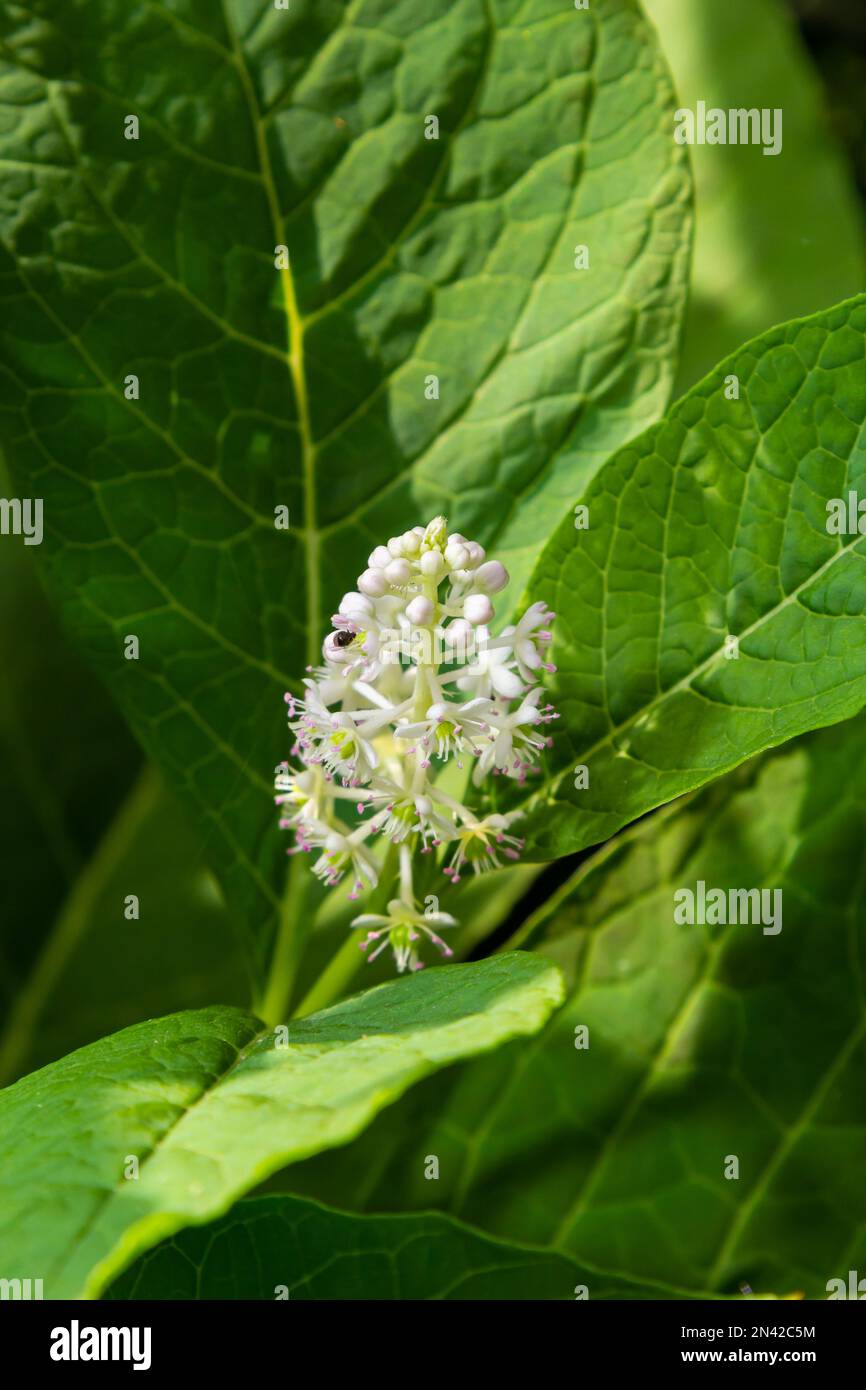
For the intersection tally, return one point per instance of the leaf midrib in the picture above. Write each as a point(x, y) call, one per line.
point(294, 347)
point(788, 1138)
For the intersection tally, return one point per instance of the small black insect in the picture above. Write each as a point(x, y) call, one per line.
point(343, 638)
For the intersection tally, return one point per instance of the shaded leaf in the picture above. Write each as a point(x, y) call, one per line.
point(704, 1042)
point(285, 1247)
point(777, 235)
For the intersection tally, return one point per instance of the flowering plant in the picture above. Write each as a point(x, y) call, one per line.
point(412, 679)
point(280, 279)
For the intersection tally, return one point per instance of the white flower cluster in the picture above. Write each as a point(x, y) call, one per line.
point(412, 678)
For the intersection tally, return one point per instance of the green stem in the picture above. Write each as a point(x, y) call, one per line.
point(273, 1003)
point(422, 693)
point(334, 979)
point(343, 966)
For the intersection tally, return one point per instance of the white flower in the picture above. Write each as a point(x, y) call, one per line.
point(514, 739)
point(298, 793)
point(335, 740)
point(339, 853)
point(354, 643)
point(448, 729)
point(330, 686)
point(492, 672)
point(525, 639)
point(480, 843)
point(490, 577)
point(401, 929)
point(346, 752)
point(399, 812)
point(477, 610)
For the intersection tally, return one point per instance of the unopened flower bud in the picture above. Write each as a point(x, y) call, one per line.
point(490, 577)
point(398, 572)
point(435, 534)
point(478, 609)
point(379, 558)
point(459, 632)
point(373, 583)
point(432, 564)
point(456, 555)
point(410, 542)
point(477, 554)
point(353, 603)
point(419, 611)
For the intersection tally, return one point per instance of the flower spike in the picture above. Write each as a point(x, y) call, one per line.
point(412, 680)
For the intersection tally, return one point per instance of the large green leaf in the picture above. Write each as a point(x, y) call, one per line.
point(305, 387)
point(775, 236)
point(210, 1103)
point(285, 1247)
point(713, 525)
point(704, 1042)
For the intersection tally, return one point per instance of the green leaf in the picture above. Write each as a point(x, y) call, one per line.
point(285, 1247)
point(704, 1042)
point(305, 387)
point(712, 525)
point(777, 236)
point(209, 1103)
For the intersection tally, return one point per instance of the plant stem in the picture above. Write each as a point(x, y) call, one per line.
point(334, 979)
point(422, 693)
point(406, 886)
point(273, 1003)
point(342, 967)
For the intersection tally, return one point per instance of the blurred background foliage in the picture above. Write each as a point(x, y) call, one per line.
point(776, 237)
point(85, 823)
